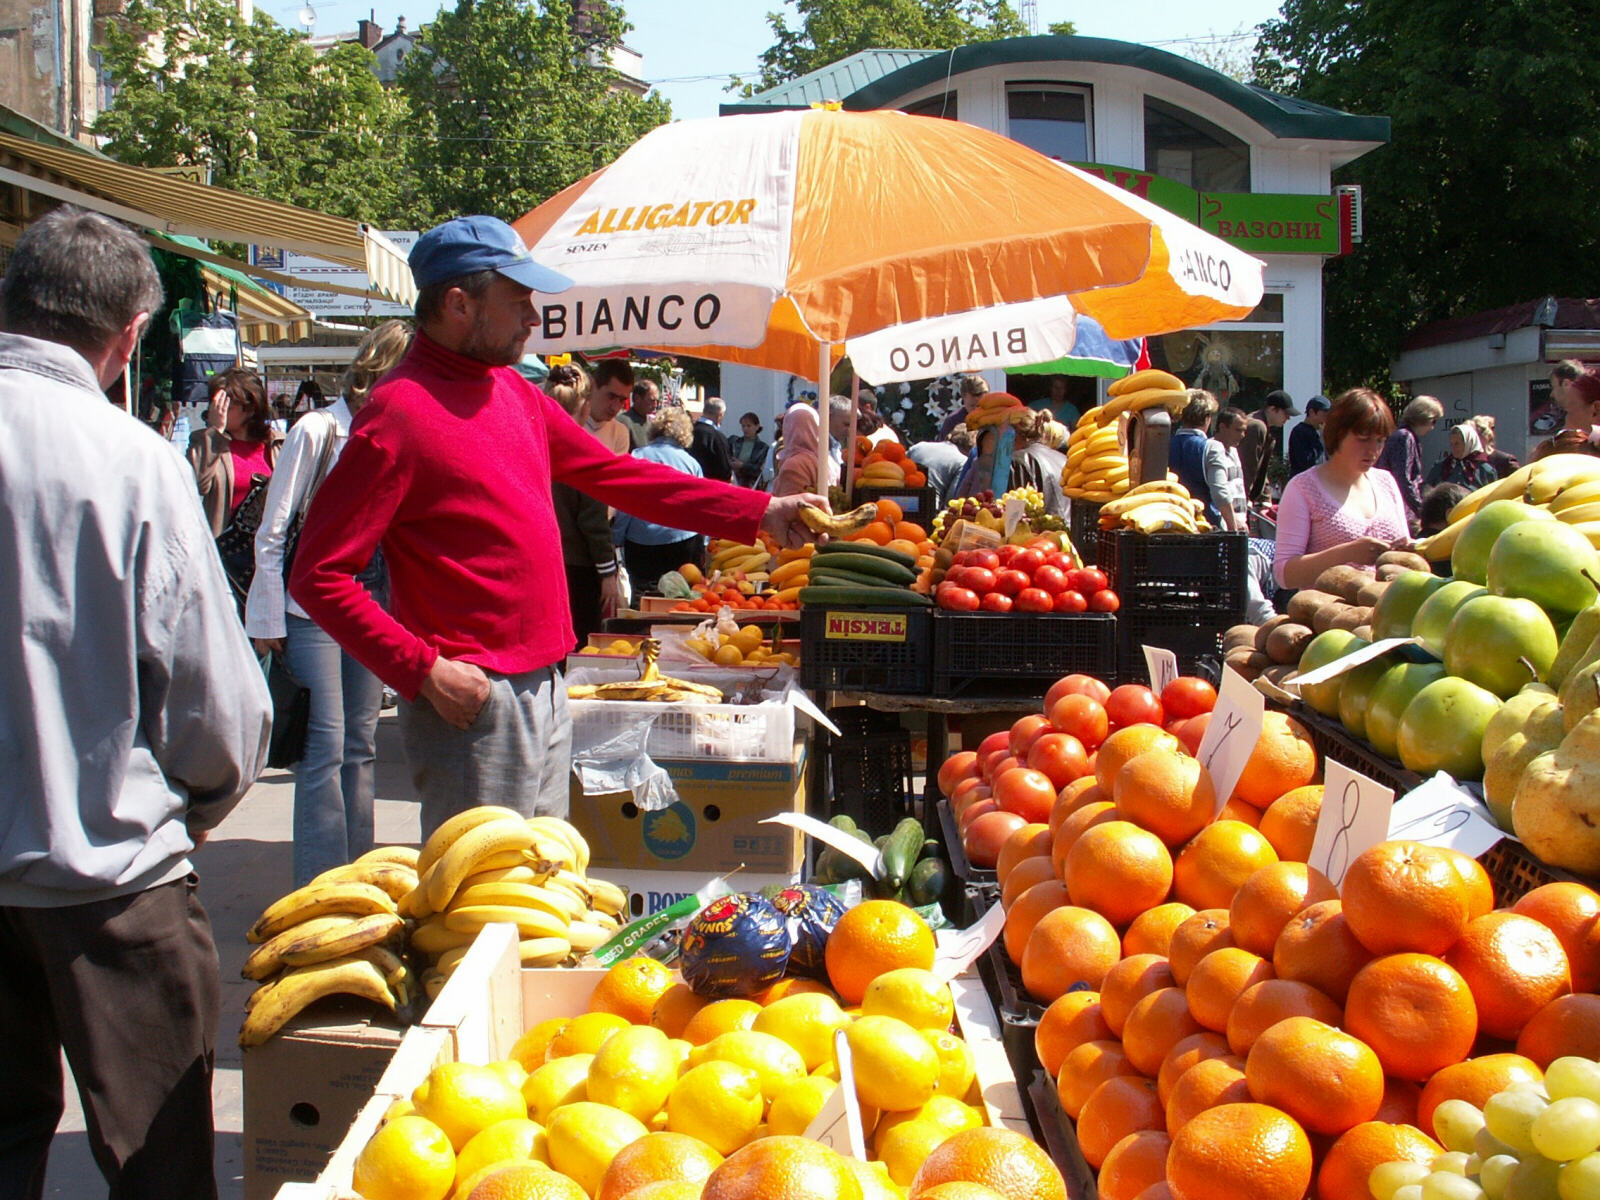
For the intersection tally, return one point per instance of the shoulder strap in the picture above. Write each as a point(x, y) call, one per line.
point(324, 461)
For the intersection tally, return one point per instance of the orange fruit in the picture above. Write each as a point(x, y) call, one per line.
point(1283, 760)
point(791, 1167)
point(1321, 1076)
point(1185, 1053)
point(1068, 947)
point(1348, 1164)
point(1137, 1162)
point(655, 1157)
point(525, 1181)
point(1156, 1023)
point(1132, 979)
point(1514, 966)
point(1474, 1081)
point(1240, 1152)
point(1162, 1190)
point(1087, 816)
point(1568, 1025)
point(999, 1158)
point(1208, 1083)
point(1290, 822)
point(1119, 1106)
point(1125, 745)
point(1074, 796)
point(1151, 931)
point(1211, 868)
point(1070, 1021)
point(1317, 947)
point(793, 985)
point(889, 512)
point(1267, 900)
point(1415, 1011)
point(1027, 873)
point(1404, 896)
point(962, 1189)
point(879, 531)
point(1085, 1068)
point(720, 1017)
point(874, 937)
point(1237, 810)
point(1400, 1098)
point(1571, 912)
point(1263, 1005)
point(1027, 910)
point(673, 1010)
point(1195, 938)
point(1166, 792)
point(1217, 982)
point(1119, 870)
point(909, 531)
point(631, 988)
point(1480, 888)
point(1025, 841)
point(671, 1189)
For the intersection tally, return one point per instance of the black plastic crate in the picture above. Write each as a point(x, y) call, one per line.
point(1085, 530)
point(1193, 634)
point(917, 504)
point(1014, 655)
point(866, 649)
point(871, 779)
point(1197, 570)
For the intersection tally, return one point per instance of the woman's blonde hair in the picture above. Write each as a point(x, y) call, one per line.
point(378, 354)
point(569, 385)
point(1421, 411)
point(673, 424)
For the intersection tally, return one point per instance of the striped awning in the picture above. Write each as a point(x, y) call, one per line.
point(168, 204)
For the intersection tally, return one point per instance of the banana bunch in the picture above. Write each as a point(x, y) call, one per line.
point(338, 935)
point(1161, 506)
point(881, 475)
point(996, 408)
point(490, 864)
point(793, 571)
point(728, 557)
point(651, 684)
point(1568, 485)
point(1097, 457)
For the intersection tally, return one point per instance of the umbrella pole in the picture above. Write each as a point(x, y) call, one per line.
point(824, 362)
point(849, 457)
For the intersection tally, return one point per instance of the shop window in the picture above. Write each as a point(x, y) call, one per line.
point(1238, 362)
point(941, 105)
point(1183, 147)
point(1053, 121)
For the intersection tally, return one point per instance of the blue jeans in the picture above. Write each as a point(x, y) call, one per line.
point(333, 782)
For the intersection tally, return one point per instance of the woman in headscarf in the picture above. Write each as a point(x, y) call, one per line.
point(1465, 462)
point(797, 460)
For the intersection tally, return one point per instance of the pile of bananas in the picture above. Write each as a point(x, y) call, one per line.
point(1568, 485)
point(651, 685)
point(341, 934)
point(729, 557)
point(490, 864)
point(793, 571)
point(1097, 459)
point(1162, 506)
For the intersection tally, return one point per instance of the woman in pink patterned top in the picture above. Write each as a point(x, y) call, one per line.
point(1345, 511)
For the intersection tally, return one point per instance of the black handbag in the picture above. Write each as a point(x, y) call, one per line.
point(236, 544)
point(291, 715)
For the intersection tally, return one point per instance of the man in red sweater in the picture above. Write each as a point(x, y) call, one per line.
point(448, 469)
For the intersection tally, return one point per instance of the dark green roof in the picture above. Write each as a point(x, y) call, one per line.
point(1283, 116)
point(834, 81)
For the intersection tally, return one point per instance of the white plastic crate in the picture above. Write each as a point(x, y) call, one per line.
point(761, 732)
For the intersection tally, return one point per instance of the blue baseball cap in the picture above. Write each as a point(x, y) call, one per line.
point(467, 245)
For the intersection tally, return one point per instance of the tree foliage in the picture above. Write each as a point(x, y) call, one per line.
point(1489, 190)
point(829, 30)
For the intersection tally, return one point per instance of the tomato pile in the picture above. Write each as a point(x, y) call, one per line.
point(1030, 579)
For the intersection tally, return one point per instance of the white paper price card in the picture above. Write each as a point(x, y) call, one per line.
point(1354, 817)
point(1443, 813)
point(1351, 661)
point(1162, 665)
point(864, 853)
point(958, 949)
point(837, 1124)
point(1234, 730)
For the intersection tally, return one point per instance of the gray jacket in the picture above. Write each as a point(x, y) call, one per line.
point(132, 710)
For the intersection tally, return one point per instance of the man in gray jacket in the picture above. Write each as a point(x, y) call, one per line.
point(133, 716)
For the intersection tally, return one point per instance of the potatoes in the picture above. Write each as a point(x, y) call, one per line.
point(1404, 558)
point(1304, 605)
point(1287, 642)
point(1279, 673)
point(1264, 632)
point(1239, 635)
point(1342, 581)
point(1369, 595)
point(1364, 632)
point(1351, 619)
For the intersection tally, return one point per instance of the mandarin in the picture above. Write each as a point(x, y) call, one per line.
point(1073, 797)
point(1137, 1162)
point(654, 1157)
point(1027, 873)
point(1415, 1011)
point(1217, 982)
point(1318, 947)
point(1159, 1191)
point(1405, 896)
point(1265, 1004)
point(1026, 841)
point(673, 1010)
point(1123, 746)
point(1185, 1053)
point(1027, 910)
point(1480, 888)
point(1290, 822)
point(1074, 826)
point(631, 988)
point(1239, 1152)
point(1321, 1076)
point(1283, 759)
point(1119, 870)
point(1348, 1164)
point(1067, 948)
point(1514, 966)
point(1085, 1068)
point(1210, 1082)
point(1156, 1023)
point(872, 938)
point(1571, 912)
point(1132, 979)
point(1237, 810)
point(1151, 931)
point(1070, 1021)
point(1568, 1025)
point(1196, 937)
point(1212, 867)
point(1119, 1106)
point(792, 1167)
point(1400, 1098)
point(999, 1158)
point(1167, 793)
point(1474, 1081)
point(1266, 901)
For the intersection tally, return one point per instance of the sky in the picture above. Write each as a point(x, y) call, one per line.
point(689, 58)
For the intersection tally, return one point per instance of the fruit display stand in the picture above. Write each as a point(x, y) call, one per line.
point(1179, 591)
point(918, 504)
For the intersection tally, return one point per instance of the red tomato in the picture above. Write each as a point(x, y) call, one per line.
point(1068, 685)
point(1089, 580)
point(1083, 717)
point(1060, 756)
point(975, 810)
point(969, 789)
point(1045, 544)
point(987, 559)
point(1006, 553)
point(1034, 600)
point(1029, 561)
point(961, 765)
point(1070, 602)
point(1192, 732)
point(995, 741)
point(1026, 792)
point(1105, 600)
point(995, 602)
point(1134, 704)
point(1050, 579)
point(1010, 581)
point(958, 599)
point(1000, 765)
point(979, 579)
point(1061, 561)
point(1026, 731)
point(983, 839)
point(961, 559)
point(1188, 696)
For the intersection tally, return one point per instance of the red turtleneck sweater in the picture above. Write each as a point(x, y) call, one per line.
point(448, 467)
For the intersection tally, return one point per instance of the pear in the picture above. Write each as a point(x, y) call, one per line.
point(1528, 725)
point(1578, 695)
point(1576, 642)
point(1556, 809)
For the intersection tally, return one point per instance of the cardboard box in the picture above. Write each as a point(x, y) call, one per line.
point(303, 1088)
point(651, 891)
point(712, 829)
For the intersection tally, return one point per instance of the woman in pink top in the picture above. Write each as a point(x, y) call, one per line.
point(1344, 511)
point(236, 444)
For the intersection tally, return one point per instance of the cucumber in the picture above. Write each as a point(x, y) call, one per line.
point(843, 597)
point(842, 821)
point(870, 548)
point(930, 849)
point(901, 850)
point(927, 882)
point(838, 576)
point(865, 564)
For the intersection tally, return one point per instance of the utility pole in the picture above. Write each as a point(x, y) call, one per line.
point(1030, 15)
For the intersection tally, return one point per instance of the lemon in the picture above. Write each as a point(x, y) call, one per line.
point(718, 1102)
point(462, 1098)
point(514, 1140)
point(720, 1016)
point(797, 1105)
point(585, 1137)
point(908, 1146)
point(805, 1021)
point(874, 1180)
point(408, 1159)
point(956, 1067)
point(682, 1049)
point(529, 1049)
point(728, 656)
point(775, 1062)
point(919, 998)
point(827, 1070)
point(585, 1034)
point(895, 1068)
point(516, 1075)
point(564, 1081)
point(634, 1071)
point(950, 1115)
point(749, 637)
point(590, 650)
point(700, 646)
point(400, 1108)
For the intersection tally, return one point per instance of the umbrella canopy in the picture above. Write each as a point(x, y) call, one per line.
point(773, 239)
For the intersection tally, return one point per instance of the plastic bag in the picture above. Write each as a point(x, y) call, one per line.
point(812, 913)
point(736, 946)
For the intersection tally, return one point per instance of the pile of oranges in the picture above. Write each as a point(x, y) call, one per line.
point(1223, 1023)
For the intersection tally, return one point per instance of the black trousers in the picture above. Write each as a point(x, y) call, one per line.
point(129, 988)
point(647, 564)
point(583, 598)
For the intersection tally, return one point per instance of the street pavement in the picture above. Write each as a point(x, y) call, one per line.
point(243, 867)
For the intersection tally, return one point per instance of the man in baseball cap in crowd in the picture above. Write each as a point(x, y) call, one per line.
point(1259, 440)
point(1305, 439)
point(448, 469)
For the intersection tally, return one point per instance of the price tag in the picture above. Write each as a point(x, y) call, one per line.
point(958, 949)
point(864, 853)
point(1354, 817)
point(1162, 665)
point(1012, 514)
point(1351, 661)
point(1443, 813)
point(1234, 730)
point(837, 1124)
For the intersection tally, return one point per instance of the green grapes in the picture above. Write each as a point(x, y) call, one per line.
point(1568, 1129)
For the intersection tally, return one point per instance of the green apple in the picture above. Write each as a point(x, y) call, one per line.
point(1438, 610)
point(1389, 698)
point(1548, 562)
point(1470, 559)
point(1442, 728)
point(1502, 643)
point(1355, 693)
point(1398, 605)
point(1323, 649)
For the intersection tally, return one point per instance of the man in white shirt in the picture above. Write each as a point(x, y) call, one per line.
point(1224, 471)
